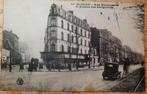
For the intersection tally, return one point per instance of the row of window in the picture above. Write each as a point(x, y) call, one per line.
point(70, 38)
point(75, 29)
point(68, 16)
point(74, 40)
point(53, 22)
point(70, 49)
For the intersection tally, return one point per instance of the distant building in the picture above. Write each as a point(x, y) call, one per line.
point(67, 38)
point(100, 39)
point(25, 52)
point(108, 46)
point(116, 47)
point(6, 56)
point(127, 51)
point(11, 43)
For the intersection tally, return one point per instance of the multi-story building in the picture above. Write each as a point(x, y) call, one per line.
point(67, 38)
point(116, 48)
point(109, 48)
point(11, 43)
point(100, 38)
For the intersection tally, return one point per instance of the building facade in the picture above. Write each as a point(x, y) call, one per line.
point(115, 48)
point(67, 38)
point(101, 40)
point(108, 46)
point(11, 43)
point(110, 49)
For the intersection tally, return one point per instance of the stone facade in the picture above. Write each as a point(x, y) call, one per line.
point(67, 37)
point(11, 43)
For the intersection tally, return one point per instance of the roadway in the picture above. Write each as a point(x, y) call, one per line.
point(82, 80)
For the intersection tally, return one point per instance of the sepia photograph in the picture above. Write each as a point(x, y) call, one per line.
point(72, 45)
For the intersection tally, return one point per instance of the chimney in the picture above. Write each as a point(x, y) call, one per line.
point(70, 11)
point(85, 20)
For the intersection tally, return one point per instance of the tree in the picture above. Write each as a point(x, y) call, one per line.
point(139, 16)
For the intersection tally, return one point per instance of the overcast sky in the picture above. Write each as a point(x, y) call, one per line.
point(28, 19)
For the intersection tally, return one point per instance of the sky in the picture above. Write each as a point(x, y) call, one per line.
point(28, 19)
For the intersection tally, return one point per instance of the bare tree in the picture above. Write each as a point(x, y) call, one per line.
point(139, 16)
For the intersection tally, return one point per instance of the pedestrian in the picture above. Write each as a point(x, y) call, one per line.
point(30, 69)
point(126, 66)
point(142, 63)
point(41, 65)
point(21, 67)
point(10, 67)
point(115, 60)
point(31, 65)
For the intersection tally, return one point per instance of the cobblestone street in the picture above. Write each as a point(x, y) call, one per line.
point(85, 80)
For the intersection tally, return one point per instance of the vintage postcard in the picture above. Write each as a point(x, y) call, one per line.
point(53, 45)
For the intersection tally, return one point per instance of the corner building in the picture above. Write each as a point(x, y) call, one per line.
point(67, 38)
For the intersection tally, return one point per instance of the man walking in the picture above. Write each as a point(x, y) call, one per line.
point(126, 66)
